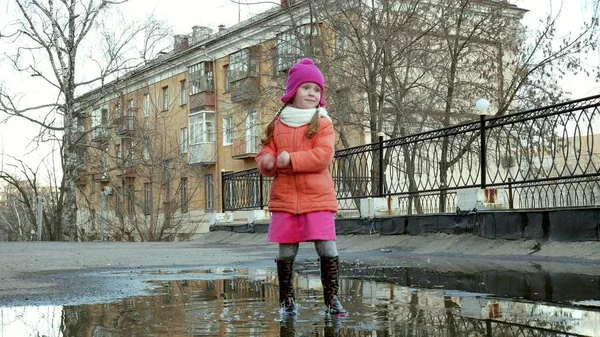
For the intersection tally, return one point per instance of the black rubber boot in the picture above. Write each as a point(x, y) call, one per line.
point(330, 278)
point(285, 274)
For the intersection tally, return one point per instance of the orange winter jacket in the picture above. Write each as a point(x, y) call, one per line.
point(306, 186)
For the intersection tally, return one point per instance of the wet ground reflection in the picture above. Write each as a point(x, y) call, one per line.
point(244, 303)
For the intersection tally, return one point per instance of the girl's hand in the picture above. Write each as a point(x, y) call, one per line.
point(283, 159)
point(267, 162)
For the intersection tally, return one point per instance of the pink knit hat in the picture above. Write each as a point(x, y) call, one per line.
point(300, 73)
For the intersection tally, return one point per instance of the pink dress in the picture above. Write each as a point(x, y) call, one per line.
point(293, 228)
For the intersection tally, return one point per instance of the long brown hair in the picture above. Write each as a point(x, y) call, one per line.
point(313, 126)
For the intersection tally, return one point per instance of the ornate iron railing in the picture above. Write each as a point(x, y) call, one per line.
point(541, 158)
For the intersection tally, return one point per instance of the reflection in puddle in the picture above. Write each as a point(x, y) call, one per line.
point(244, 303)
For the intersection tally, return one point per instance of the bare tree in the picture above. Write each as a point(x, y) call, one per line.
point(22, 189)
point(421, 66)
point(71, 47)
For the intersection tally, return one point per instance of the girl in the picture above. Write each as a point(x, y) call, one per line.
point(297, 151)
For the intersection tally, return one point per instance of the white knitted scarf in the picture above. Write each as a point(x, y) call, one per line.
point(294, 117)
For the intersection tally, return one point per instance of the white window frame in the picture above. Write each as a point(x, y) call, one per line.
point(105, 164)
point(118, 112)
point(183, 140)
point(242, 64)
point(146, 148)
point(227, 87)
point(227, 130)
point(291, 48)
point(201, 77)
point(202, 127)
point(146, 105)
point(99, 122)
point(147, 198)
point(130, 107)
point(252, 132)
point(183, 96)
point(165, 98)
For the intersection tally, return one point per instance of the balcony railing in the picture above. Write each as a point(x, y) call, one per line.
point(80, 138)
point(202, 153)
point(100, 133)
point(247, 89)
point(244, 147)
point(125, 125)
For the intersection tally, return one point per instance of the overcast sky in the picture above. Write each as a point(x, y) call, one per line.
point(15, 137)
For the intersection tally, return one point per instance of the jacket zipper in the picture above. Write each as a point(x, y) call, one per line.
point(295, 178)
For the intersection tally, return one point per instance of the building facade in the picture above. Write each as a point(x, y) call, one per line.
point(154, 145)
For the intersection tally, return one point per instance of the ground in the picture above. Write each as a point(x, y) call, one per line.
point(61, 273)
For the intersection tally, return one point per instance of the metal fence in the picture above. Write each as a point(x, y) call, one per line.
point(541, 158)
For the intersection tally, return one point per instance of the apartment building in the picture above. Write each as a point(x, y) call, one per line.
point(154, 146)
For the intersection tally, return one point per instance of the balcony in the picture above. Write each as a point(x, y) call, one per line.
point(82, 179)
point(80, 138)
point(202, 153)
point(125, 126)
point(100, 133)
point(202, 100)
point(126, 167)
point(101, 177)
point(81, 152)
point(246, 89)
point(244, 147)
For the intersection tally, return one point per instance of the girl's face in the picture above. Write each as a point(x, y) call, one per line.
point(307, 96)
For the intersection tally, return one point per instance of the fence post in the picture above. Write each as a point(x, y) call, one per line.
point(510, 195)
point(102, 213)
point(381, 175)
point(483, 156)
point(222, 191)
point(40, 212)
point(260, 190)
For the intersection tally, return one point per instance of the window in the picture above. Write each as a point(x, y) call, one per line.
point(146, 105)
point(242, 65)
point(252, 132)
point(202, 127)
point(131, 199)
point(146, 148)
point(184, 195)
point(227, 79)
point(183, 92)
point(147, 198)
point(119, 155)
point(201, 77)
point(183, 141)
point(105, 164)
point(227, 131)
point(341, 40)
point(210, 202)
point(130, 107)
point(118, 112)
point(99, 123)
point(293, 45)
point(166, 173)
point(119, 201)
point(127, 149)
point(165, 98)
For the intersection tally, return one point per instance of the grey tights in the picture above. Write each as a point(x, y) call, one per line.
point(288, 251)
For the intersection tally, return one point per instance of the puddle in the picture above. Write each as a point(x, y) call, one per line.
point(242, 302)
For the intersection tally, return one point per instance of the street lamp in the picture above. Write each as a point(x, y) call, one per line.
point(482, 106)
